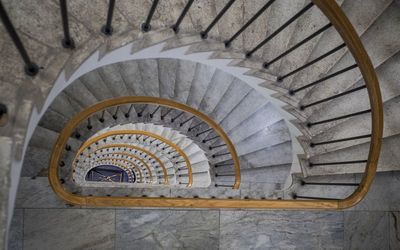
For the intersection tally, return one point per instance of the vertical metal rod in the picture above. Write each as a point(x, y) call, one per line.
point(89, 126)
point(313, 144)
point(141, 112)
point(175, 27)
point(265, 7)
point(280, 78)
point(205, 131)
point(30, 68)
point(303, 107)
point(67, 41)
point(129, 111)
point(209, 139)
point(108, 29)
point(115, 115)
point(146, 26)
point(204, 33)
point(195, 126)
point(293, 91)
point(176, 117)
point(276, 32)
point(182, 123)
point(102, 116)
point(212, 147)
point(168, 111)
point(222, 154)
point(152, 113)
point(305, 40)
point(310, 124)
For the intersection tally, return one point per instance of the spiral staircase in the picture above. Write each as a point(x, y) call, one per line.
point(239, 104)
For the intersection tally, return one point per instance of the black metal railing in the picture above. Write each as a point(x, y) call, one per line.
point(313, 164)
point(204, 33)
point(313, 144)
point(67, 41)
point(310, 124)
point(305, 40)
point(30, 68)
point(175, 27)
point(276, 32)
point(248, 23)
point(146, 26)
point(107, 29)
point(281, 78)
point(303, 107)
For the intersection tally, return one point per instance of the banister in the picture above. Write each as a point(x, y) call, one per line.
point(132, 132)
point(342, 24)
point(118, 164)
point(339, 20)
point(134, 156)
point(130, 162)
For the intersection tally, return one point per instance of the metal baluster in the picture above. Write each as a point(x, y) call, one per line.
point(108, 29)
point(67, 41)
point(287, 23)
point(204, 34)
point(30, 67)
point(264, 8)
point(175, 27)
point(146, 26)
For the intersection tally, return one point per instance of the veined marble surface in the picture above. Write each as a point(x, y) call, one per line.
point(366, 226)
point(281, 229)
point(69, 229)
point(167, 229)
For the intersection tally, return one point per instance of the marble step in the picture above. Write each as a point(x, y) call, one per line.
point(354, 127)
point(325, 191)
point(378, 50)
point(167, 70)
point(362, 15)
point(149, 72)
point(306, 25)
point(217, 88)
point(185, 74)
point(387, 162)
point(265, 174)
point(281, 11)
point(244, 109)
point(274, 155)
point(199, 85)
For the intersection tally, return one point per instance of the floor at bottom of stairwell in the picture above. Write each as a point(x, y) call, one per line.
point(366, 226)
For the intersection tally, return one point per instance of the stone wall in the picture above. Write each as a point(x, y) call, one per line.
point(372, 224)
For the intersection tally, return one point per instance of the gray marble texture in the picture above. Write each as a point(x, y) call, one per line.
point(69, 229)
point(16, 232)
point(366, 230)
point(281, 230)
point(167, 229)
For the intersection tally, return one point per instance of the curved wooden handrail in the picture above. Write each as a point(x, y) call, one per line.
point(346, 30)
point(76, 120)
point(133, 156)
point(140, 132)
point(127, 161)
point(339, 20)
point(120, 165)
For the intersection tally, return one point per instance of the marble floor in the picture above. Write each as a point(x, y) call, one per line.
point(372, 224)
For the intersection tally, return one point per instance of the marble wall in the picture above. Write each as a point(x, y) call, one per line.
point(373, 224)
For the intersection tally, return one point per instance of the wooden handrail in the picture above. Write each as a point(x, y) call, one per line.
point(127, 161)
point(133, 156)
point(341, 23)
point(140, 132)
point(346, 30)
point(120, 165)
